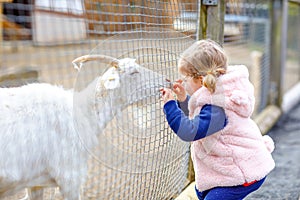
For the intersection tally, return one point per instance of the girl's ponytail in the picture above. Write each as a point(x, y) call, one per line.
point(210, 80)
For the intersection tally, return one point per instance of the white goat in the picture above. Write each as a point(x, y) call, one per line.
point(41, 145)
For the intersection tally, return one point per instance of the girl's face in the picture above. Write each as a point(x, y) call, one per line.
point(191, 84)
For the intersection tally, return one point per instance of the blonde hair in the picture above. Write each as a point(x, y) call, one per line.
point(204, 58)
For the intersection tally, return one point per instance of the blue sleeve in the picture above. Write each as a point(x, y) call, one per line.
point(184, 105)
point(210, 120)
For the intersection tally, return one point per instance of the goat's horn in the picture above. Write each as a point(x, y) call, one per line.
point(106, 59)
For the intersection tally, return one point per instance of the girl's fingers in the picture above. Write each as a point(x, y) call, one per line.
point(178, 88)
point(165, 91)
point(162, 91)
point(166, 94)
point(180, 81)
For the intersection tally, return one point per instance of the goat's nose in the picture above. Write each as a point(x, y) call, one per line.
point(169, 83)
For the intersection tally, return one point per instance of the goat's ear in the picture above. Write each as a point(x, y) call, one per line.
point(111, 79)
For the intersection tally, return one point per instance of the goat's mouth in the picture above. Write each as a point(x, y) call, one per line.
point(169, 84)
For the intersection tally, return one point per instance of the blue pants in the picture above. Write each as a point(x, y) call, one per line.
point(229, 193)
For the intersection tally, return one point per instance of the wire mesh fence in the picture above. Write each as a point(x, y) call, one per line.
point(137, 153)
point(250, 45)
point(138, 156)
point(292, 70)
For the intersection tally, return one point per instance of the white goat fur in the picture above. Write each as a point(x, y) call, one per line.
point(39, 144)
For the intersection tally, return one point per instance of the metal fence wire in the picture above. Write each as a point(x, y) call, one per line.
point(292, 70)
point(248, 43)
point(137, 156)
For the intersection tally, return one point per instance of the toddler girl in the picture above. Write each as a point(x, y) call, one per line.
point(214, 104)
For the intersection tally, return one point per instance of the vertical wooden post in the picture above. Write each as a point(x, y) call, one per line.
point(1, 27)
point(1, 32)
point(1, 22)
point(1, 19)
point(255, 77)
point(211, 22)
point(278, 50)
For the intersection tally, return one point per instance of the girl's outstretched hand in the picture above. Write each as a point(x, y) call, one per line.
point(166, 95)
point(179, 90)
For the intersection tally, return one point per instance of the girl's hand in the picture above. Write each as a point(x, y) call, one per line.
point(179, 90)
point(166, 95)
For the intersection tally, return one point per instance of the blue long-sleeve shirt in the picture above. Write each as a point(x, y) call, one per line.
point(210, 120)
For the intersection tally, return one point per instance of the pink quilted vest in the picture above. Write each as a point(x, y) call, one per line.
point(238, 153)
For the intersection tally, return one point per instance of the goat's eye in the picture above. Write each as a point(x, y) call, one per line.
point(134, 71)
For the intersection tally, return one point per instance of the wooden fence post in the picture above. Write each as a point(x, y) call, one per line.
point(211, 22)
point(255, 77)
point(1, 27)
